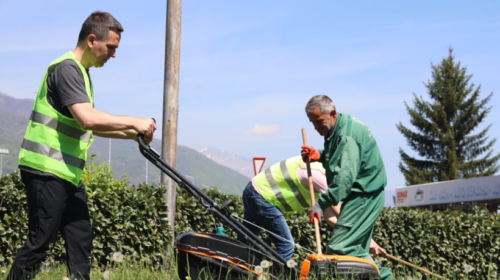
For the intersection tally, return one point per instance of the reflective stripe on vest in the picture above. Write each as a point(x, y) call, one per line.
point(55, 143)
point(52, 153)
point(291, 184)
point(60, 127)
point(280, 186)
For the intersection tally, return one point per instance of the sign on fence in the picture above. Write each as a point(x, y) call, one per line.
point(474, 189)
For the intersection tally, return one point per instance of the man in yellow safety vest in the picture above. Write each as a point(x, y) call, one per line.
point(284, 188)
point(54, 149)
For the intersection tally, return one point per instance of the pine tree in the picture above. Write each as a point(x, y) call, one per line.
point(445, 125)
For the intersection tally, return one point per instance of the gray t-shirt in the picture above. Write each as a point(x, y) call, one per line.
point(65, 86)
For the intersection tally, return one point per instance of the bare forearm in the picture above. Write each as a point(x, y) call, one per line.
point(118, 134)
point(97, 120)
point(336, 209)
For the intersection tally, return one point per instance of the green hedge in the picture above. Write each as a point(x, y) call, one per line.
point(132, 220)
point(127, 220)
point(443, 242)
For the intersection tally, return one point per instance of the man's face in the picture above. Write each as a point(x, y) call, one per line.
point(323, 123)
point(102, 50)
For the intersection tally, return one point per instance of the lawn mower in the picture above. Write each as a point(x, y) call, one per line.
point(211, 256)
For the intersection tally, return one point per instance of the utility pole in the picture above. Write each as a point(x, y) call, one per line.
point(171, 101)
point(2, 152)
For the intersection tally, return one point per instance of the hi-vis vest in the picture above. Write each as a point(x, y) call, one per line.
point(280, 186)
point(53, 142)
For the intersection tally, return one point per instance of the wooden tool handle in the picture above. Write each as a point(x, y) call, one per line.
point(414, 266)
point(304, 136)
point(313, 200)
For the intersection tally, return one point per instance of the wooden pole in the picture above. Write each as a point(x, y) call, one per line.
point(414, 266)
point(313, 199)
point(171, 101)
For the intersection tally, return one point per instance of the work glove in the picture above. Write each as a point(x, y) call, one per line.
point(316, 212)
point(311, 152)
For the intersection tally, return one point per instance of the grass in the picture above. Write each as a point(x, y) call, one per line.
point(130, 269)
point(124, 270)
point(127, 267)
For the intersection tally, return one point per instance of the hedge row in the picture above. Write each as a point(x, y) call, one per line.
point(127, 220)
point(132, 220)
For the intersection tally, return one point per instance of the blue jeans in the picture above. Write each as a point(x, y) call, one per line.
point(263, 214)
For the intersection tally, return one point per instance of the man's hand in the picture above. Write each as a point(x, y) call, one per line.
point(149, 138)
point(316, 212)
point(375, 248)
point(311, 152)
point(146, 126)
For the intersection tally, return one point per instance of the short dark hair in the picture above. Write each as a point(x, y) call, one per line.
point(98, 23)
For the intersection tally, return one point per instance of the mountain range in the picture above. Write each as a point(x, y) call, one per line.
point(238, 163)
point(125, 156)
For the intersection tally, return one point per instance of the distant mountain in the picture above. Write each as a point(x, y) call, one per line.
point(237, 163)
point(126, 159)
point(125, 156)
point(21, 107)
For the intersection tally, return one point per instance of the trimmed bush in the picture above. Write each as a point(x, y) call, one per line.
point(133, 220)
point(127, 220)
point(443, 242)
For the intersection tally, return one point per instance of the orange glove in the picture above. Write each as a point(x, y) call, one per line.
point(311, 151)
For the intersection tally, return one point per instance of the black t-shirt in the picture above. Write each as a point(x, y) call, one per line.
point(65, 86)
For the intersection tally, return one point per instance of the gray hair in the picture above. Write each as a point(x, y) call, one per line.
point(323, 102)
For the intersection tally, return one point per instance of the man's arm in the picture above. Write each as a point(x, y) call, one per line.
point(332, 215)
point(118, 134)
point(124, 134)
point(98, 121)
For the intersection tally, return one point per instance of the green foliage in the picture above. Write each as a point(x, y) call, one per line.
point(445, 125)
point(133, 221)
point(442, 242)
point(13, 217)
point(101, 177)
point(127, 220)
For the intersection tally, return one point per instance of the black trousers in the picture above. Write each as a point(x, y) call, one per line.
point(54, 205)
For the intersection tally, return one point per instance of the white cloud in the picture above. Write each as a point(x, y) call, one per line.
point(263, 129)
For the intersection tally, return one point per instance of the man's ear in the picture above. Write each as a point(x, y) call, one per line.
point(333, 113)
point(90, 40)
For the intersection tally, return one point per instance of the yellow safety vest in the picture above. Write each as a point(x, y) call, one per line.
point(280, 186)
point(53, 142)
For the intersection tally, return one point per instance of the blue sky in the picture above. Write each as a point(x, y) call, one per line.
point(249, 67)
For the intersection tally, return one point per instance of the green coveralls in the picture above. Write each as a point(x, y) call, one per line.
point(356, 175)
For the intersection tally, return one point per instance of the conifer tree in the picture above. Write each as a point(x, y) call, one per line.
point(446, 139)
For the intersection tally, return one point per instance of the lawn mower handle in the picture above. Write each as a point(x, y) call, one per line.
point(220, 210)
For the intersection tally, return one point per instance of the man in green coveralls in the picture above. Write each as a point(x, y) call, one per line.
point(355, 175)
